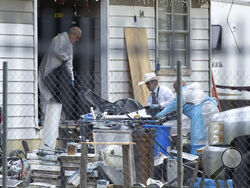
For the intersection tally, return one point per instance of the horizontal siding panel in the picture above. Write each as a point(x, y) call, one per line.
point(19, 99)
point(17, 5)
point(19, 76)
point(16, 29)
point(118, 32)
point(199, 23)
point(200, 55)
point(16, 17)
point(199, 13)
point(129, 22)
point(168, 81)
point(28, 133)
point(200, 76)
point(22, 64)
point(118, 54)
point(199, 44)
point(200, 34)
point(19, 87)
point(21, 110)
point(16, 52)
point(24, 41)
point(131, 11)
point(119, 76)
point(116, 96)
point(21, 122)
point(121, 87)
point(199, 65)
point(167, 84)
point(122, 54)
point(120, 43)
point(116, 43)
point(118, 65)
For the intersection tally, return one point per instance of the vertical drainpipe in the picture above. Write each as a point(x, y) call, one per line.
point(104, 48)
point(210, 49)
point(35, 71)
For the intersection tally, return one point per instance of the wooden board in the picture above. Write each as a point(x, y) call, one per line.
point(47, 176)
point(139, 64)
point(48, 168)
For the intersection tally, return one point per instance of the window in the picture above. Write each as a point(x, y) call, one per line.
point(173, 33)
point(216, 37)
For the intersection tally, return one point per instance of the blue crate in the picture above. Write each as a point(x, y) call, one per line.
point(209, 183)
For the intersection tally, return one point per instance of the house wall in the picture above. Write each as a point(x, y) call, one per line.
point(17, 48)
point(199, 47)
point(119, 18)
point(118, 66)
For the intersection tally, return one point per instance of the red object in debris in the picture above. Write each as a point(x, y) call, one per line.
point(215, 94)
point(62, 2)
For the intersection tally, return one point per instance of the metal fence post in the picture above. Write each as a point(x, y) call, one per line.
point(5, 124)
point(179, 126)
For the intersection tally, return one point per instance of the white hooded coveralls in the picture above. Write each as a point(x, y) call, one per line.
point(60, 49)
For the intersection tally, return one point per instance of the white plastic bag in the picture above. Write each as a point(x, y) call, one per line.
point(112, 156)
point(193, 94)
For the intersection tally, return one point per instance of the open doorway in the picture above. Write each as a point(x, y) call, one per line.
point(56, 16)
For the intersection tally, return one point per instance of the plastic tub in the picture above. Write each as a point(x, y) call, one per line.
point(162, 134)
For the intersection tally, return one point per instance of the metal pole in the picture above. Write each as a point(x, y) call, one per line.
point(35, 49)
point(84, 163)
point(104, 23)
point(5, 122)
point(179, 126)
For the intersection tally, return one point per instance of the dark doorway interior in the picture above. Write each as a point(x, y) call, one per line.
point(56, 16)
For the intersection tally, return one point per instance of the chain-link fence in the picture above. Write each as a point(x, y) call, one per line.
point(46, 137)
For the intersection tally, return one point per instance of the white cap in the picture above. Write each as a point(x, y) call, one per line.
point(148, 77)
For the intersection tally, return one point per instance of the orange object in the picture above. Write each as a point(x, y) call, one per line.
point(215, 94)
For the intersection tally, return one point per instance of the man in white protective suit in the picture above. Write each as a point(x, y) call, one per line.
point(59, 54)
point(199, 107)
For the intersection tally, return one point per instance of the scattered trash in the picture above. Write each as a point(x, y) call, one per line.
point(151, 183)
point(112, 156)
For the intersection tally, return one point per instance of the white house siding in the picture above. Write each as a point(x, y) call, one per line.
point(120, 17)
point(17, 48)
point(199, 45)
point(123, 16)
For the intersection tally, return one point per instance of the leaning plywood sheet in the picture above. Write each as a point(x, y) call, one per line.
point(138, 56)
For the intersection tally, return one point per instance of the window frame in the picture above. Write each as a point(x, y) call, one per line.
point(171, 70)
point(218, 38)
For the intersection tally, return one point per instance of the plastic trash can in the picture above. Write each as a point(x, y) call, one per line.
point(162, 134)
